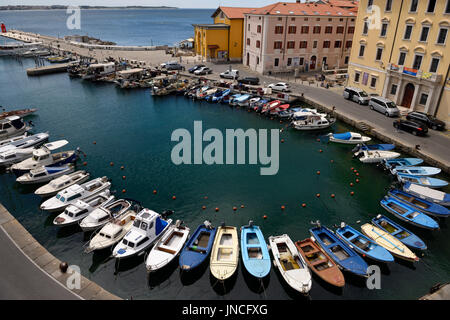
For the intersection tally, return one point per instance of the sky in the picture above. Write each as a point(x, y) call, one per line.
point(171, 3)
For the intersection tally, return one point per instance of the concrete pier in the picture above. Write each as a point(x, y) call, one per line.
point(56, 68)
point(441, 293)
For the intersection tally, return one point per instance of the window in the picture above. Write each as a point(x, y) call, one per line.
point(292, 29)
point(423, 99)
point(394, 89)
point(277, 44)
point(144, 226)
point(277, 62)
point(348, 44)
point(417, 61)
point(357, 77)
point(434, 64)
point(447, 7)
point(366, 27)
point(305, 29)
point(248, 27)
point(330, 19)
point(362, 48)
point(329, 29)
point(292, 19)
point(388, 5)
point(278, 29)
point(291, 44)
point(248, 41)
point(289, 61)
point(369, 3)
point(384, 27)
point(258, 29)
point(340, 30)
point(442, 37)
point(401, 58)
point(408, 32)
point(315, 44)
point(414, 4)
point(257, 60)
point(303, 44)
point(338, 44)
point(302, 60)
point(424, 34)
point(316, 29)
point(326, 44)
point(351, 30)
point(346, 59)
point(258, 44)
point(379, 54)
point(431, 6)
point(373, 82)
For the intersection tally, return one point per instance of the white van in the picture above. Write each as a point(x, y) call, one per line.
point(385, 106)
point(230, 74)
point(356, 95)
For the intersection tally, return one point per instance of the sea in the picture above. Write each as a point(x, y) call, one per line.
point(133, 129)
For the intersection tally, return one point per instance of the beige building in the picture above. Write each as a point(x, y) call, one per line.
point(401, 51)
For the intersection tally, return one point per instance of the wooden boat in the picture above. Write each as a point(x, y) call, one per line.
point(402, 162)
point(348, 138)
point(416, 171)
point(422, 181)
point(225, 253)
point(404, 235)
point(428, 194)
point(408, 214)
point(290, 263)
point(417, 203)
point(20, 113)
point(198, 247)
point(366, 156)
point(345, 257)
point(255, 254)
point(393, 245)
point(363, 245)
point(168, 247)
point(320, 263)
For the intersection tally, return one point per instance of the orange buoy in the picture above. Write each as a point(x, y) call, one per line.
point(234, 208)
point(320, 150)
point(333, 196)
point(154, 191)
point(95, 142)
point(352, 168)
point(332, 161)
point(111, 163)
point(203, 207)
point(355, 171)
point(242, 206)
point(122, 167)
point(265, 217)
point(351, 184)
point(217, 209)
point(318, 172)
point(304, 205)
point(352, 193)
point(124, 177)
point(173, 197)
point(85, 163)
point(318, 195)
point(123, 190)
point(282, 140)
point(283, 207)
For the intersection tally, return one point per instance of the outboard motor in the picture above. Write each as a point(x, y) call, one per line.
point(356, 148)
point(166, 213)
point(208, 224)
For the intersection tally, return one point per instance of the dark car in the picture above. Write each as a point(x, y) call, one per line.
point(196, 67)
point(415, 128)
point(249, 80)
point(174, 66)
point(426, 119)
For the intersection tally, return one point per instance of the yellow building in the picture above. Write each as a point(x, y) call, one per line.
point(222, 40)
point(401, 52)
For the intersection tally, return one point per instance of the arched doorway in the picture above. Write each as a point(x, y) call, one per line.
point(408, 95)
point(312, 64)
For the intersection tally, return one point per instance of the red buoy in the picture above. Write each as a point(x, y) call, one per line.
point(111, 163)
point(217, 209)
point(173, 197)
point(203, 207)
point(123, 190)
point(318, 195)
point(242, 206)
point(304, 205)
point(85, 163)
point(265, 217)
point(234, 208)
point(352, 193)
point(283, 207)
point(351, 184)
point(318, 172)
point(124, 177)
point(333, 196)
point(154, 191)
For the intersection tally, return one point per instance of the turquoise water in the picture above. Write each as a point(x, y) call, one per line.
point(133, 129)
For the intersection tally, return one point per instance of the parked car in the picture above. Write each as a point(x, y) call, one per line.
point(249, 80)
point(385, 106)
point(280, 86)
point(165, 64)
point(356, 95)
point(230, 74)
point(202, 71)
point(196, 67)
point(174, 66)
point(426, 119)
point(415, 128)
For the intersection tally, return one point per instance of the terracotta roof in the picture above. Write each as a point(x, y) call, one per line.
point(302, 9)
point(232, 12)
point(344, 3)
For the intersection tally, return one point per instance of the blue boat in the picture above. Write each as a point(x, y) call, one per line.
point(198, 247)
point(408, 214)
point(254, 251)
point(416, 171)
point(343, 255)
point(428, 194)
point(216, 95)
point(222, 96)
point(422, 180)
point(417, 203)
point(402, 162)
point(404, 235)
point(231, 98)
point(363, 245)
point(372, 147)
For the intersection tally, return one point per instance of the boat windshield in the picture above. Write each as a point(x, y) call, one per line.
point(136, 224)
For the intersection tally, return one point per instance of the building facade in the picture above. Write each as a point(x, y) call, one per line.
point(401, 52)
point(286, 36)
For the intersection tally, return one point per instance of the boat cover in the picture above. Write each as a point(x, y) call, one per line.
point(342, 136)
point(160, 225)
point(427, 192)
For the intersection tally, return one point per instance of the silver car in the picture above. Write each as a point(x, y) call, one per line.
point(356, 95)
point(385, 106)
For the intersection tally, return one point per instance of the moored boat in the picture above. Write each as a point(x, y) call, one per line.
point(374, 147)
point(105, 214)
point(348, 138)
point(20, 113)
point(24, 142)
point(12, 126)
point(255, 254)
point(416, 171)
point(402, 162)
point(417, 203)
point(45, 174)
point(428, 194)
point(224, 253)
point(312, 122)
point(422, 181)
point(366, 156)
point(58, 184)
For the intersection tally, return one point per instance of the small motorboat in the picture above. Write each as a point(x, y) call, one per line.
point(58, 59)
point(270, 105)
point(375, 147)
point(58, 184)
point(200, 92)
point(428, 194)
point(416, 171)
point(320, 263)
point(206, 93)
point(147, 228)
point(198, 247)
point(363, 245)
point(257, 107)
point(75, 192)
point(19, 113)
point(402, 162)
point(241, 101)
point(230, 98)
point(302, 111)
point(422, 181)
point(430, 208)
point(253, 101)
point(286, 114)
point(12, 126)
point(26, 142)
point(366, 156)
point(290, 263)
point(408, 214)
point(168, 247)
point(224, 253)
point(342, 254)
point(45, 174)
point(104, 214)
point(76, 212)
point(277, 110)
point(312, 122)
point(216, 95)
point(10, 157)
point(348, 138)
point(404, 235)
point(5, 142)
point(393, 245)
point(223, 94)
point(112, 232)
point(255, 254)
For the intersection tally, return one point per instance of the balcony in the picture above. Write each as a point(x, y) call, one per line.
point(410, 72)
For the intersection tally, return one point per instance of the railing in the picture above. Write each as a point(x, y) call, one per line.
point(414, 73)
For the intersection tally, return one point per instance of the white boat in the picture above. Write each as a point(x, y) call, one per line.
point(348, 138)
point(24, 142)
point(44, 157)
point(290, 263)
point(82, 208)
point(5, 142)
point(253, 101)
point(242, 101)
point(112, 232)
point(366, 156)
point(98, 70)
point(45, 174)
point(168, 247)
point(75, 192)
point(10, 157)
point(224, 253)
point(58, 184)
point(12, 126)
point(311, 121)
point(147, 228)
point(428, 194)
point(101, 216)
